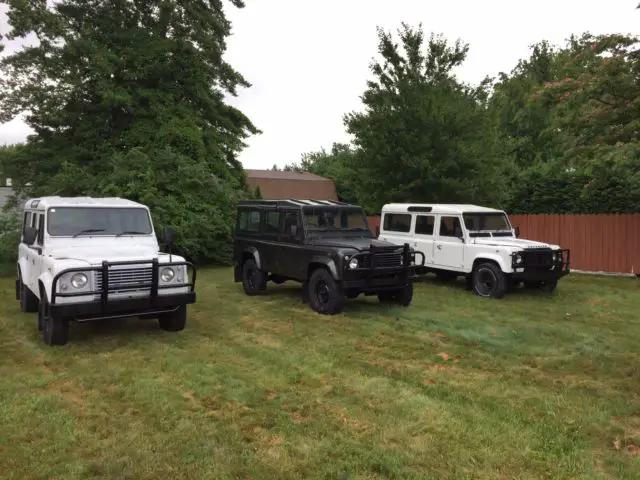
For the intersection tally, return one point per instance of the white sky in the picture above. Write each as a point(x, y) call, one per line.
point(308, 60)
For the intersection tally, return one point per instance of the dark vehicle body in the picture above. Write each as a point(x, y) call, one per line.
point(281, 240)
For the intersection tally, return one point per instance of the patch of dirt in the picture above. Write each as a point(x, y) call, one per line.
point(298, 417)
point(444, 356)
point(628, 446)
point(68, 392)
point(270, 394)
point(274, 326)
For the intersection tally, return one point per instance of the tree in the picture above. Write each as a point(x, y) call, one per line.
point(423, 136)
point(127, 98)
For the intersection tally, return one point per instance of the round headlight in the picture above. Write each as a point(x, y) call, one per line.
point(353, 263)
point(518, 259)
point(79, 280)
point(167, 274)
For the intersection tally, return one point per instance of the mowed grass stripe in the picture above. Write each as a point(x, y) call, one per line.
point(454, 386)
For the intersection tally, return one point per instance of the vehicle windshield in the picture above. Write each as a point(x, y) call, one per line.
point(77, 221)
point(486, 222)
point(335, 219)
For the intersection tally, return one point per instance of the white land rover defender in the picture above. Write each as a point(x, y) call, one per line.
point(84, 258)
point(475, 242)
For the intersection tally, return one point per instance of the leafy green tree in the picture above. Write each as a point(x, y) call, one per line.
point(127, 98)
point(423, 135)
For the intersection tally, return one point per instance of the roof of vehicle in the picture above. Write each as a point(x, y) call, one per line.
point(43, 203)
point(447, 208)
point(295, 202)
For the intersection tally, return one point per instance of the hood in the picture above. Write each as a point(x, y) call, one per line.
point(357, 243)
point(516, 243)
point(94, 255)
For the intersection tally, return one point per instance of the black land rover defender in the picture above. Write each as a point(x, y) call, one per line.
point(323, 244)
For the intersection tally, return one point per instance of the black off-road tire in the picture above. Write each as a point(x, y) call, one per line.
point(55, 330)
point(402, 296)
point(489, 280)
point(173, 321)
point(549, 286)
point(254, 280)
point(325, 294)
point(28, 301)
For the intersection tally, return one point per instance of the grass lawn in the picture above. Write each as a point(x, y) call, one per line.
point(455, 386)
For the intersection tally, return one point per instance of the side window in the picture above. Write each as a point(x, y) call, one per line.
point(397, 222)
point(27, 220)
point(290, 219)
point(424, 224)
point(249, 220)
point(272, 222)
point(450, 227)
point(41, 229)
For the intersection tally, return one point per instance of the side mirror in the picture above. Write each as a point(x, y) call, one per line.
point(29, 235)
point(294, 231)
point(168, 235)
point(517, 231)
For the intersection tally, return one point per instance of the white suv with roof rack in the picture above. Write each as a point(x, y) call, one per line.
point(83, 258)
point(476, 242)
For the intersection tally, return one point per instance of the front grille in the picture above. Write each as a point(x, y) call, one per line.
point(384, 260)
point(537, 258)
point(127, 280)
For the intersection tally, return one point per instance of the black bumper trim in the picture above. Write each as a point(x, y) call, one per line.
point(122, 307)
point(540, 275)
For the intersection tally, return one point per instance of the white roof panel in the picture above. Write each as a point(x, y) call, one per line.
point(446, 208)
point(45, 202)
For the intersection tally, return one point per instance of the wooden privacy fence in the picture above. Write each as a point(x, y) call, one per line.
point(598, 242)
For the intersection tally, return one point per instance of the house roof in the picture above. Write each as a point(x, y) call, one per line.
point(279, 184)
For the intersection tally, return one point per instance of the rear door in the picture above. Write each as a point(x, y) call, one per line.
point(424, 237)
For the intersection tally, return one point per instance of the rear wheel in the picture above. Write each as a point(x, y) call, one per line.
point(489, 280)
point(55, 330)
point(325, 294)
point(253, 279)
point(173, 321)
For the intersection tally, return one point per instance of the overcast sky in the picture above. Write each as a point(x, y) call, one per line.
point(308, 59)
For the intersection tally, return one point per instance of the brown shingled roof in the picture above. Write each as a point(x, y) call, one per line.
point(280, 184)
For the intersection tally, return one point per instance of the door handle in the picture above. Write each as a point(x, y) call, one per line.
point(439, 247)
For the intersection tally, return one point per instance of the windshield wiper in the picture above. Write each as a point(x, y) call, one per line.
point(130, 232)
point(88, 230)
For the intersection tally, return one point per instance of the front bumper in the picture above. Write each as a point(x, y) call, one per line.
point(379, 270)
point(113, 300)
point(539, 266)
point(122, 307)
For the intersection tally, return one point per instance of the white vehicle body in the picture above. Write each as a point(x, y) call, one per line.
point(78, 242)
point(456, 239)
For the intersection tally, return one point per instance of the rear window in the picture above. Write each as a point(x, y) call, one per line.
point(397, 222)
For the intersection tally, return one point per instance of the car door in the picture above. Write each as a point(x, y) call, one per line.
point(292, 256)
point(449, 247)
point(33, 253)
point(270, 249)
point(424, 237)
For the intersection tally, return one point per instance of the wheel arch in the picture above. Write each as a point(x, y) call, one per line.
point(322, 262)
point(495, 259)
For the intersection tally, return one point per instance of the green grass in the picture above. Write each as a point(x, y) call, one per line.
point(455, 386)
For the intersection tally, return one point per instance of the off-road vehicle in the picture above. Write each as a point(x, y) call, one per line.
point(325, 245)
point(85, 258)
point(476, 242)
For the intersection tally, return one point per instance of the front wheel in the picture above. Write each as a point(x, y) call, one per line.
point(173, 321)
point(402, 296)
point(28, 301)
point(489, 281)
point(55, 330)
point(325, 294)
